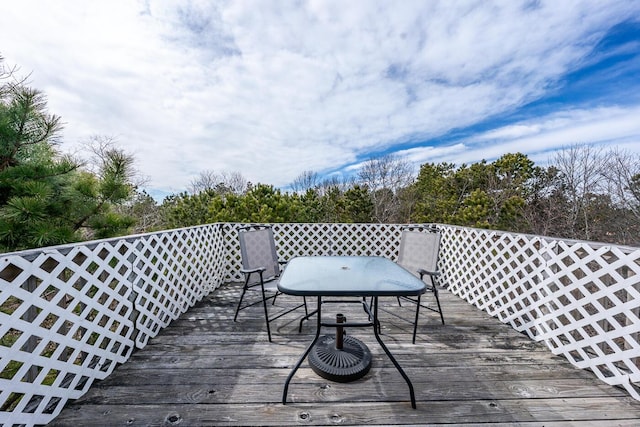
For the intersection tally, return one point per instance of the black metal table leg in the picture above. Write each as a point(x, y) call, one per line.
point(306, 317)
point(386, 350)
point(305, 354)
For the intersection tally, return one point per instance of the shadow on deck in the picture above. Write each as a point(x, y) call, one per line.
point(205, 369)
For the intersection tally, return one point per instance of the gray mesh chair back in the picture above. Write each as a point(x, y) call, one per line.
point(418, 253)
point(419, 250)
point(261, 269)
point(258, 250)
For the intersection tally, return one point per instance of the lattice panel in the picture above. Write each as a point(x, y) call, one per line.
point(303, 239)
point(213, 258)
point(367, 240)
point(174, 270)
point(68, 315)
point(596, 292)
point(65, 321)
point(505, 273)
point(232, 250)
point(582, 299)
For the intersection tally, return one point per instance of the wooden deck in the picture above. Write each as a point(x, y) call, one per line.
point(207, 370)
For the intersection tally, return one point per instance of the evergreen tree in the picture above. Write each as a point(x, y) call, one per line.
point(45, 197)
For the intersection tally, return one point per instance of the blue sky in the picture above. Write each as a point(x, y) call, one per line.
point(271, 89)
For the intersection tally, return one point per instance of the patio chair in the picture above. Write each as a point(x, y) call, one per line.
point(261, 269)
point(418, 253)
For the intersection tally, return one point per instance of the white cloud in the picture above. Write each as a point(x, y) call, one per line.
point(510, 132)
point(271, 89)
point(540, 137)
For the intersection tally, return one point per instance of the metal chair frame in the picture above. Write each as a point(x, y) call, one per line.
point(266, 275)
point(432, 273)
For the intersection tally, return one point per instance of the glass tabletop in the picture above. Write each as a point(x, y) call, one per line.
point(348, 276)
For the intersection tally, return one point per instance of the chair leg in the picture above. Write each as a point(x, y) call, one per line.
point(415, 324)
point(244, 290)
point(266, 312)
point(435, 293)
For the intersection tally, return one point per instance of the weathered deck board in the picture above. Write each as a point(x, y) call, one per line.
point(207, 370)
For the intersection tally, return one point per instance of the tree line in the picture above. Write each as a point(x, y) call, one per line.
point(585, 193)
point(48, 197)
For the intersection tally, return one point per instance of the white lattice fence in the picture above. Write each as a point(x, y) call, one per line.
point(66, 321)
point(582, 299)
point(173, 271)
point(69, 315)
point(367, 240)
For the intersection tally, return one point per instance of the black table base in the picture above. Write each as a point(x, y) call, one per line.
point(349, 363)
point(316, 339)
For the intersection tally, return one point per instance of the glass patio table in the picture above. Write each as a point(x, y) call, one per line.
point(346, 276)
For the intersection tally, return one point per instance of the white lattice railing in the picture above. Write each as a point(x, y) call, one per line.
point(582, 299)
point(70, 314)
